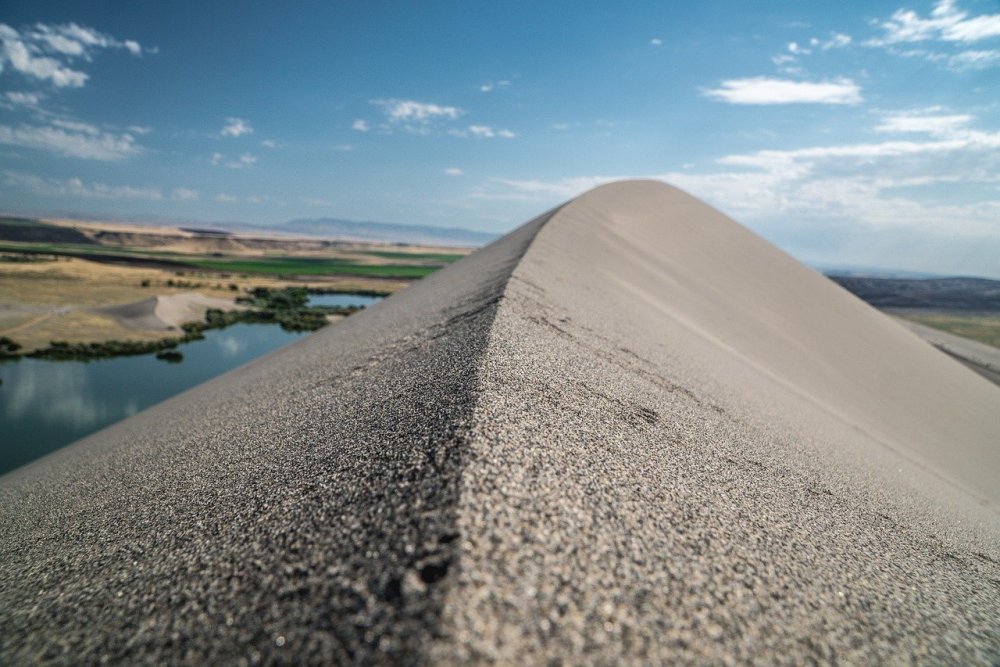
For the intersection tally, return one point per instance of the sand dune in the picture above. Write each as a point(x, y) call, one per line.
point(629, 431)
point(166, 311)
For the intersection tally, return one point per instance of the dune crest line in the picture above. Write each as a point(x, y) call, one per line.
point(630, 430)
point(301, 507)
point(689, 448)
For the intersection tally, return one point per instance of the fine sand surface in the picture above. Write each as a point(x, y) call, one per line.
point(629, 431)
point(166, 311)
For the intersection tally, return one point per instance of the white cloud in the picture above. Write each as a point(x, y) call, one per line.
point(484, 132)
point(793, 47)
point(454, 171)
point(76, 187)
point(881, 185)
point(411, 111)
point(656, 41)
point(45, 52)
point(923, 123)
point(945, 23)
point(23, 98)
point(361, 125)
point(765, 90)
point(242, 162)
point(76, 126)
point(139, 129)
point(837, 40)
point(267, 143)
point(236, 127)
point(980, 59)
point(185, 194)
point(958, 62)
point(493, 85)
point(481, 131)
point(71, 139)
point(226, 198)
point(19, 55)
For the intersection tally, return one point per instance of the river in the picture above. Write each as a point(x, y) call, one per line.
point(47, 404)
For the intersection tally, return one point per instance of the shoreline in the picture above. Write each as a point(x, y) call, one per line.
point(283, 306)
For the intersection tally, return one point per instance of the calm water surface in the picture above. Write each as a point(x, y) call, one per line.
point(47, 404)
point(342, 300)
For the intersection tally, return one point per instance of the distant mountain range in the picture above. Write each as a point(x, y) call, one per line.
point(378, 231)
point(330, 228)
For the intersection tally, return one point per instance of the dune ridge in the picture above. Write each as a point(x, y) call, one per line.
point(629, 430)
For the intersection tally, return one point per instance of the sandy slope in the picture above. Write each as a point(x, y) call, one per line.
point(166, 311)
point(691, 448)
point(629, 431)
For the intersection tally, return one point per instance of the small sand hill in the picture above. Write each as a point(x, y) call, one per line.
point(166, 311)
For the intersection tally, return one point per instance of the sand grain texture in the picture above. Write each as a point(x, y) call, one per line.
point(629, 431)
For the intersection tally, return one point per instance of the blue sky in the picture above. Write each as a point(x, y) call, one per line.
point(852, 133)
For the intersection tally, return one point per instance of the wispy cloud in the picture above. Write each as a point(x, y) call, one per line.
point(268, 143)
point(656, 41)
point(26, 99)
point(974, 59)
point(482, 132)
point(185, 194)
point(411, 111)
point(493, 85)
point(837, 40)
point(764, 90)
point(454, 171)
point(236, 127)
point(72, 139)
point(224, 198)
point(360, 125)
point(879, 185)
point(242, 162)
point(46, 52)
point(945, 23)
point(924, 122)
point(76, 187)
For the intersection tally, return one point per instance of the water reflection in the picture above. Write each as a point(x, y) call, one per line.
point(343, 300)
point(62, 392)
point(230, 345)
point(47, 404)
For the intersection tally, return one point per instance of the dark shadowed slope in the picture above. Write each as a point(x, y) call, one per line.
point(302, 506)
point(642, 433)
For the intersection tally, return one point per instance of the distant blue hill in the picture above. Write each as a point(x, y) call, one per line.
point(384, 232)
